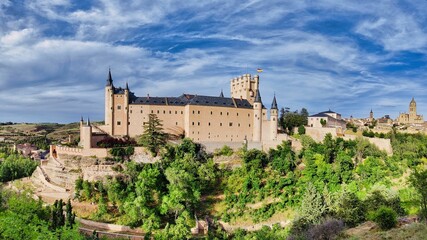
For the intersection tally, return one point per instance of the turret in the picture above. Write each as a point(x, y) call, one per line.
point(371, 115)
point(109, 103)
point(126, 110)
point(257, 129)
point(221, 94)
point(85, 134)
point(273, 119)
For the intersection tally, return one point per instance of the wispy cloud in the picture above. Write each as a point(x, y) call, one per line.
point(348, 55)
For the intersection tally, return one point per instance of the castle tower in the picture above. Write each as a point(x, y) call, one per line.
point(273, 119)
point(412, 110)
point(257, 129)
point(126, 105)
point(86, 135)
point(371, 116)
point(109, 103)
point(245, 87)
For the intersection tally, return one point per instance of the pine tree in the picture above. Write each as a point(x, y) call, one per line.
point(153, 137)
point(312, 206)
point(70, 216)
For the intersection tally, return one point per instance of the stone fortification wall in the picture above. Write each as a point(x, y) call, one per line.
point(98, 152)
point(382, 143)
point(318, 134)
point(211, 146)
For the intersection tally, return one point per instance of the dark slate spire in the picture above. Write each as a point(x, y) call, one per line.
point(222, 94)
point(88, 122)
point(127, 86)
point(258, 96)
point(274, 103)
point(109, 79)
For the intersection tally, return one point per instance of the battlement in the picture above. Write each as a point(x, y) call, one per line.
point(244, 87)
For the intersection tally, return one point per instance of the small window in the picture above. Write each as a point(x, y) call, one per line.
point(141, 111)
point(152, 111)
point(238, 125)
point(119, 107)
point(230, 124)
point(176, 123)
point(198, 123)
point(249, 125)
point(170, 112)
point(237, 114)
point(220, 113)
point(130, 111)
point(119, 123)
point(220, 124)
point(192, 123)
point(227, 113)
point(164, 112)
point(176, 112)
point(209, 124)
point(158, 111)
point(211, 112)
point(198, 112)
point(181, 112)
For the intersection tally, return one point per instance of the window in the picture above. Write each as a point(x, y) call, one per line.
point(164, 112)
point(249, 125)
point(152, 111)
point(209, 124)
point(230, 124)
point(220, 113)
point(119, 107)
point(249, 114)
point(193, 111)
point(181, 112)
point(176, 123)
point(238, 125)
point(158, 111)
point(220, 124)
point(198, 112)
point(119, 123)
point(198, 123)
point(130, 111)
point(211, 112)
point(141, 111)
point(192, 123)
point(170, 112)
point(176, 112)
point(227, 113)
point(237, 114)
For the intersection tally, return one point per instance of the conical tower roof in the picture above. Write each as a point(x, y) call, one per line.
point(109, 78)
point(274, 103)
point(258, 96)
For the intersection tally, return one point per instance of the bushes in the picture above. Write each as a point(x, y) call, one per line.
point(327, 229)
point(224, 151)
point(385, 217)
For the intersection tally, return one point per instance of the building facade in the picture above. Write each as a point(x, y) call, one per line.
point(201, 118)
point(412, 117)
point(330, 118)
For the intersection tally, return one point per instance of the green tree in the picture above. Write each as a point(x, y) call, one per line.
point(313, 206)
point(153, 137)
point(418, 180)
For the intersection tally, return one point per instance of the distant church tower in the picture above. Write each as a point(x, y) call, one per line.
point(371, 116)
point(412, 109)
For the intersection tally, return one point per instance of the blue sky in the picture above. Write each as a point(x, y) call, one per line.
point(348, 56)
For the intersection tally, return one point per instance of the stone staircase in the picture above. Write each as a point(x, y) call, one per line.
point(56, 173)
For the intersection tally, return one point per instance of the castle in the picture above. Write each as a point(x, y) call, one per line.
point(411, 117)
point(205, 119)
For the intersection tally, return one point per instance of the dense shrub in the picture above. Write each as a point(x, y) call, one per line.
point(385, 217)
point(329, 229)
point(224, 151)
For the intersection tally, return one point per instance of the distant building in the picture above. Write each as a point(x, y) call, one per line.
point(331, 118)
point(411, 117)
